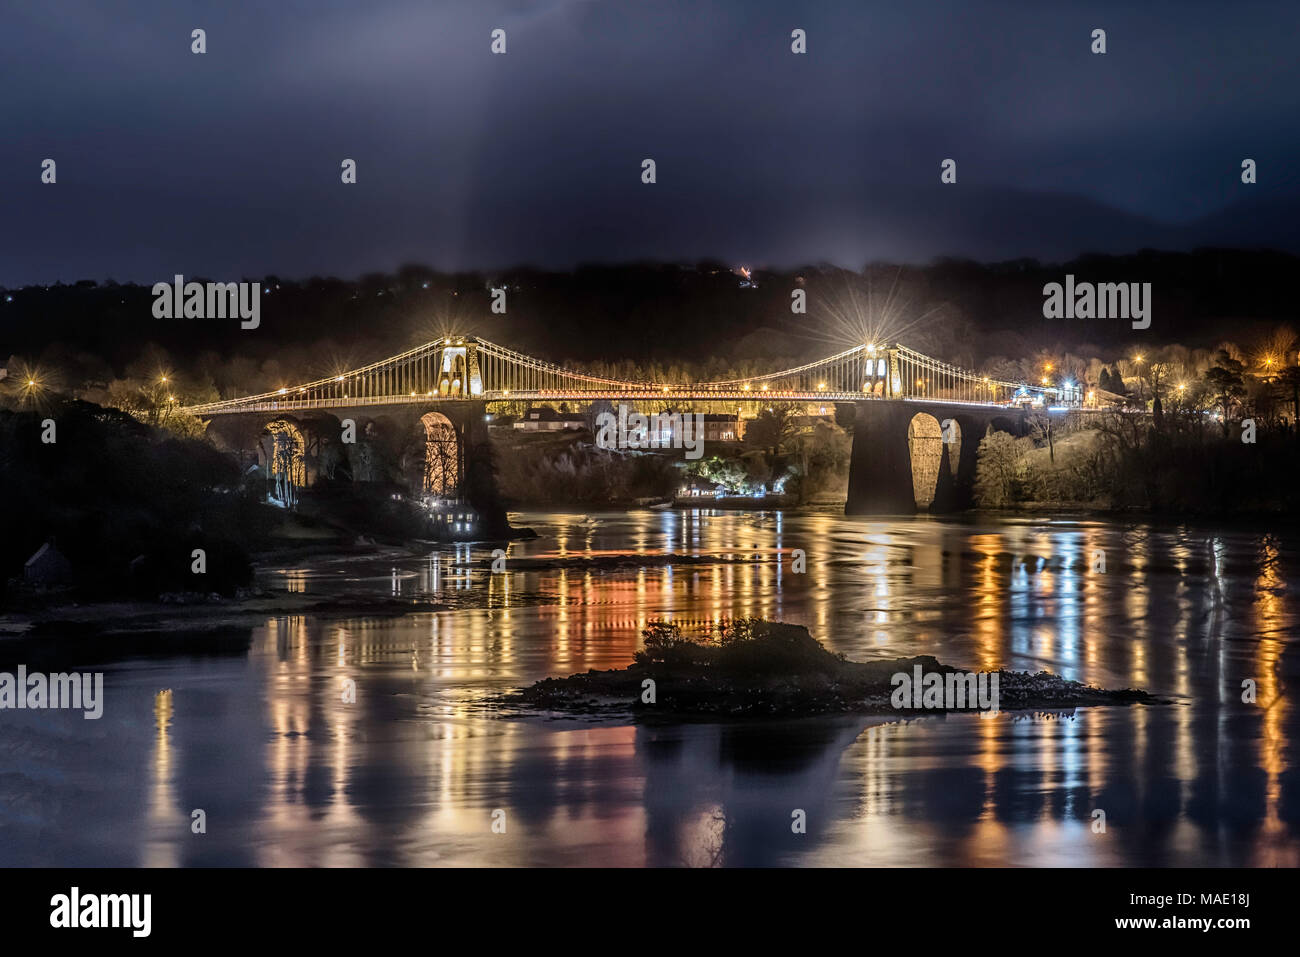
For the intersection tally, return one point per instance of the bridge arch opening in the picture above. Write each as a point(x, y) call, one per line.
point(441, 456)
point(925, 448)
point(285, 451)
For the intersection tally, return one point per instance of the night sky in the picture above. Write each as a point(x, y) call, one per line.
point(227, 164)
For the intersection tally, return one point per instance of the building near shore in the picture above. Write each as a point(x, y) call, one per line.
point(47, 566)
point(548, 420)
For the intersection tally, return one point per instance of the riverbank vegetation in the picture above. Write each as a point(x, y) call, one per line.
point(1222, 443)
point(808, 462)
point(130, 510)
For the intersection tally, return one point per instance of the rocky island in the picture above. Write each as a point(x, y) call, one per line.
point(752, 667)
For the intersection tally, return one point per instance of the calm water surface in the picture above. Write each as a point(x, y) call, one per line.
point(289, 774)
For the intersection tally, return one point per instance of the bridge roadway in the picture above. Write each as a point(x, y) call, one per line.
point(683, 395)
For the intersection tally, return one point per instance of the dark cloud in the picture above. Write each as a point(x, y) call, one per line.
point(228, 163)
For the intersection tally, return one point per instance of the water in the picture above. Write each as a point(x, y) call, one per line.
point(287, 773)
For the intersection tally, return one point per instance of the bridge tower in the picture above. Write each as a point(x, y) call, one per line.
point(895, 374)
point(459, 375)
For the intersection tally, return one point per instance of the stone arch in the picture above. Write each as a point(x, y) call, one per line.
point(441, 473)
point(284, 450)
point(925, 447)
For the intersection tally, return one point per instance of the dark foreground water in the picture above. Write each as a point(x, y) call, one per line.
point(416, 771)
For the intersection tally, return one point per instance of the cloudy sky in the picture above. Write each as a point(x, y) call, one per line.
point(227, 164)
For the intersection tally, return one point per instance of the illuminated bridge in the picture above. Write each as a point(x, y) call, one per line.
point(917, 422)
point(466, 368)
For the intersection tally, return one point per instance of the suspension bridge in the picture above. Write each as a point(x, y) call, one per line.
point(473, 369)
point(917, 420)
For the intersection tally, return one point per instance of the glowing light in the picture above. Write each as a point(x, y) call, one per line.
point(283, 391)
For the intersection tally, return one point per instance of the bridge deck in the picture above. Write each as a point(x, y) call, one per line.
point(300, 405)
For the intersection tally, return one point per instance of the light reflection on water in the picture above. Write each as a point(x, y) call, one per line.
point(287, 772)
